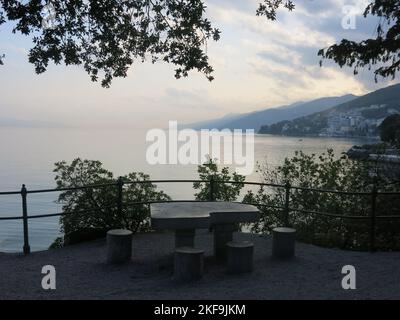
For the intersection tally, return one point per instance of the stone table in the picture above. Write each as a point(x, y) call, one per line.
point(185, 217)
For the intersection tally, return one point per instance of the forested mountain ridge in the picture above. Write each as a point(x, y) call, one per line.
point(359, 117)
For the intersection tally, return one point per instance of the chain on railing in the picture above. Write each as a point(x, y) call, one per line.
point(286, 209)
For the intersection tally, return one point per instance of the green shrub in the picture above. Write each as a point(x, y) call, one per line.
point(327, 172)
point(222, 191)
point(389, 129)
point(96, 208)
point(57, 243)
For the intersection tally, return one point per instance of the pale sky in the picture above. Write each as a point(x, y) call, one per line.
point(258, 64)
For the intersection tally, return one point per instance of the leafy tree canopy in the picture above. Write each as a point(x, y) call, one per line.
point(389, 129)
point(108, 36)
point(222, 190)
point(381, 51)
point(326, 171)
point(96, 208)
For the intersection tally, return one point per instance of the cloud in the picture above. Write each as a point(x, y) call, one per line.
point(258, 64)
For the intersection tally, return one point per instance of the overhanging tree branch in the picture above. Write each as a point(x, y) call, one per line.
point(107, 36)
point(381, 53)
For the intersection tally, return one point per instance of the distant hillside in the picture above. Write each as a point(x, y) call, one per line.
point(359, 117)
point(211, 124)
point(256, 119)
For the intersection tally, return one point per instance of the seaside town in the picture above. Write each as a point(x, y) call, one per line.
point(355, 123)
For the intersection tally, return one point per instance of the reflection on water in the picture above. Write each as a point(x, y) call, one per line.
point(28, 156)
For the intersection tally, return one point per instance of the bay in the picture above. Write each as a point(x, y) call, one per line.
point(27, 156)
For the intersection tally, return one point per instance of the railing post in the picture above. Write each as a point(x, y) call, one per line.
point(374, 194)
point(27, 248)
point(120, 185)
point(287, 204)
point(212, 189)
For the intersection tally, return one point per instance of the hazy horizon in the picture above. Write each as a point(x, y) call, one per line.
point(258, 64)
point(18, 123)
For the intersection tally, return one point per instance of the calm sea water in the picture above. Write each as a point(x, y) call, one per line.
point(28, 156)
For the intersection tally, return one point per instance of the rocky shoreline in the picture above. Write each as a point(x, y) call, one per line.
point(374, 153)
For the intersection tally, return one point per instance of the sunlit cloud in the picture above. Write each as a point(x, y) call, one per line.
point(258, 64)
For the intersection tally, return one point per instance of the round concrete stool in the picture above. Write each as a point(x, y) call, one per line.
point(240, 256)
point(283, 243)
point(188, 264)
point(119, 246)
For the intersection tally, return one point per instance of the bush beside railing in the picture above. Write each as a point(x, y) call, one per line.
point(372, 219)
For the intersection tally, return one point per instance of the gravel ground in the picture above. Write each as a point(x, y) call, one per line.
point(82, 273)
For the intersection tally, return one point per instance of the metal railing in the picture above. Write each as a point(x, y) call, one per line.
point(119, 184)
